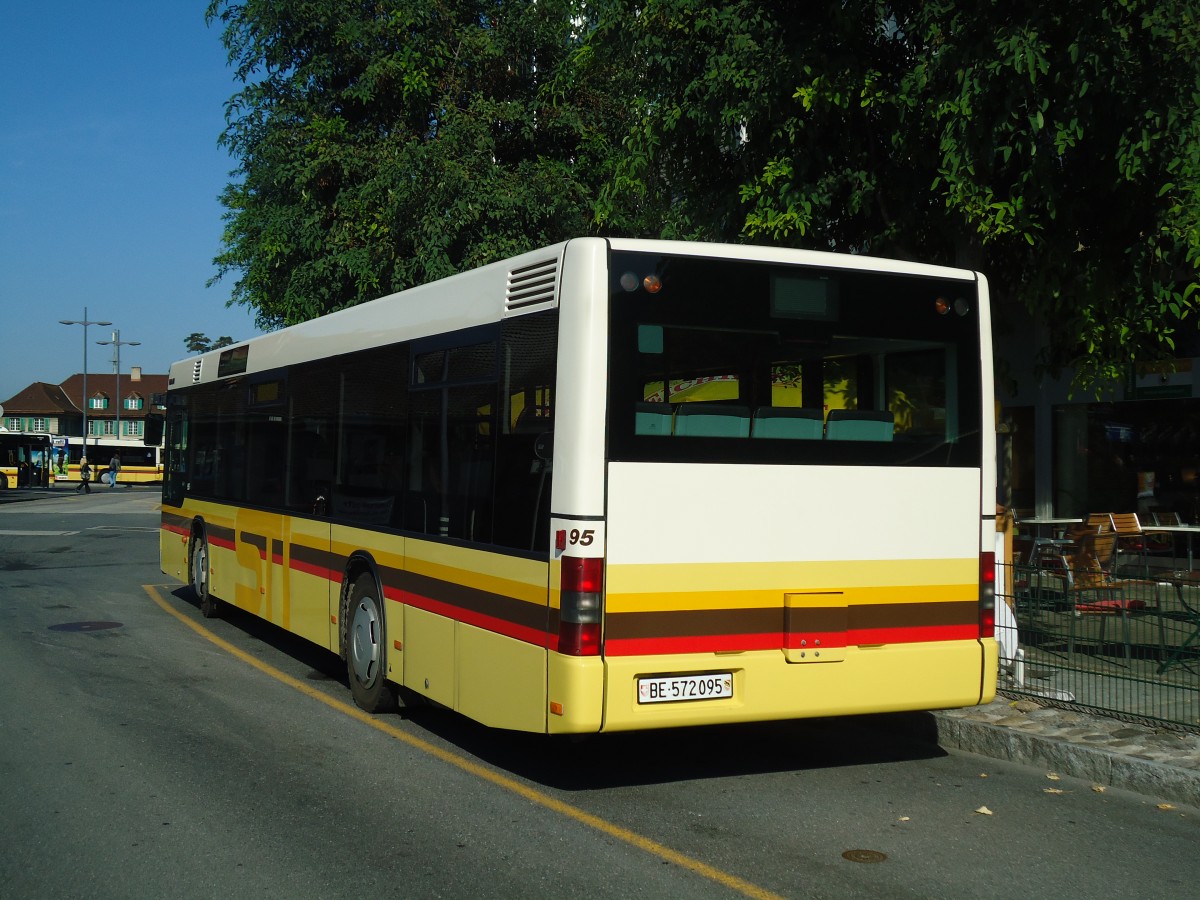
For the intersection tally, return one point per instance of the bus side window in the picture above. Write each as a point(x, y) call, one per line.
point(308, 462)
point(526, 423)
point(451, 452)
point(369, 479)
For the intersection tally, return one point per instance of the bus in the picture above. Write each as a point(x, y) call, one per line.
point(141, 463)
point(24, 457)
point(611, 485)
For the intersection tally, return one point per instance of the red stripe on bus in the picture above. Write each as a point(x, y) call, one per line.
point(915, 635)
point(660, 646)
point(705, 643)
point(220, 542)
point(319, 571)
point(827, 639)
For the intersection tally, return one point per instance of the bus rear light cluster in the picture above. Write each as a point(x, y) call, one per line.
point(987, 595)
point(582, 585)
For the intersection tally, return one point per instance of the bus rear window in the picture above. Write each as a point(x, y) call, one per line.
point(734, 361)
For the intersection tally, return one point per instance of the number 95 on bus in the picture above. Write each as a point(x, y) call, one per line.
point(677, 688)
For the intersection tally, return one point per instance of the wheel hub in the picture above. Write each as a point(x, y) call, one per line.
point(364, 641)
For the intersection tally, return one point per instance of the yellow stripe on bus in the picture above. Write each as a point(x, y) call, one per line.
point(670, 601)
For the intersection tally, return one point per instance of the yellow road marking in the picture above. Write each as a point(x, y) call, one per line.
point(535, 796)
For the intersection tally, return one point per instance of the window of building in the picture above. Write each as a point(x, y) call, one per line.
point(98, 401)
point(12, 423)
point(107, 427)
point(39, 425)
point(134, 402)
point(133, 428)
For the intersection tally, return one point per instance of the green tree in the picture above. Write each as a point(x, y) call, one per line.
point(1054, 146)
point(383, 144)
point(201, 343)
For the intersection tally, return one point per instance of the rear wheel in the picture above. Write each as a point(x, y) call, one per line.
point(198, 576)
point(366, 651)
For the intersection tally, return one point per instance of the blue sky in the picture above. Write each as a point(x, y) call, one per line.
point(109, 178)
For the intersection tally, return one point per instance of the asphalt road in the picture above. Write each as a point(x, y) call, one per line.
point(146, 752)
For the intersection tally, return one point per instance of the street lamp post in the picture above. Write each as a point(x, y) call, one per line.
point(116, 343)
point(85, 323)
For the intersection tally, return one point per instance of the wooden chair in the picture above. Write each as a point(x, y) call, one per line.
point(1093, 589)
point(1133, 541)
point(1100, 522)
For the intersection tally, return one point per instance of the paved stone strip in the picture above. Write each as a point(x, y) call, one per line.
point(1152, 761)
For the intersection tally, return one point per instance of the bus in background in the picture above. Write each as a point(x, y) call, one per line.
point(24, 457)
point(612, 485)
point(141, 463)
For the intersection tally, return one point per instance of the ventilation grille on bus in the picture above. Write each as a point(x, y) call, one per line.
point(197, 366)
point(531, 285)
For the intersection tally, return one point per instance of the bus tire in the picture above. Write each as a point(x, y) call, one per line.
point(366, 650)
point(198, 576)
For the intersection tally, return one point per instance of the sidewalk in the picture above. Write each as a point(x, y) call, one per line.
point(67, 488)
point(16, 495)
point(1152, 761)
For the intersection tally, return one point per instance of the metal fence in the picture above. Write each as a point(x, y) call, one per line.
point(1128, 649)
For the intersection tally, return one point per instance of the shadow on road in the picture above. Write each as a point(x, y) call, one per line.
point(640, 757)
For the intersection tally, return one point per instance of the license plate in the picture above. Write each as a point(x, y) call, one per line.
point(677, 688)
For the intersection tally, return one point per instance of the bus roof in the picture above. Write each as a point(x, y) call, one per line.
point(484, 295)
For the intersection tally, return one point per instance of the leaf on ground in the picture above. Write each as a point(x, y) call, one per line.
point(984, 811)
point(1099, 788)
point(1053, 791)
point(1052, 776)
point(1166, 806)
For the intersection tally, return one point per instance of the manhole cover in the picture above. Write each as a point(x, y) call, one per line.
point(864, 856)
point(84, 626)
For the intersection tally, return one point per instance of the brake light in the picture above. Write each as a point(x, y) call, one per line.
point(987, 595)
point(582, 585)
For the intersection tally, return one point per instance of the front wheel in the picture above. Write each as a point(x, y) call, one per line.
point(366, 651)
point(198, 576)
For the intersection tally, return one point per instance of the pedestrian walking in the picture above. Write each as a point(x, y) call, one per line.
point(114, 466)
point(85, 477)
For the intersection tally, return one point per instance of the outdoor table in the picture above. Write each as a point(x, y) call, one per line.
point(1189, 615)
point(1190, 530)
point(1039, 540)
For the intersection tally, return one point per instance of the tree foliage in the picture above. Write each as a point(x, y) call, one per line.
point(1055, 146)
point(385, 143)
point(202, 343)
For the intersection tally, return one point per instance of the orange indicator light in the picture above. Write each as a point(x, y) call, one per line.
point(555, 708)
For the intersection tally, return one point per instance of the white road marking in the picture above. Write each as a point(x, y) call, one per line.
point(38, 533)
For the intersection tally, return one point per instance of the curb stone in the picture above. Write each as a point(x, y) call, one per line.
point(1150, 761)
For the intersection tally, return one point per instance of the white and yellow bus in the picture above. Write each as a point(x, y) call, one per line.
point(612, 485)
point(24, 457)
point(141, 463)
